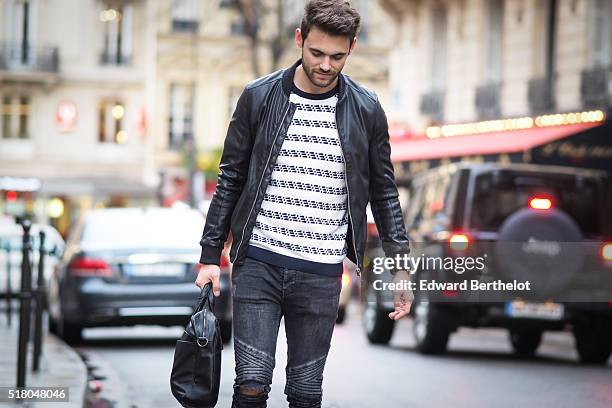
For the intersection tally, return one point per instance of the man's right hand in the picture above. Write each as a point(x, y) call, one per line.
point(209, 273)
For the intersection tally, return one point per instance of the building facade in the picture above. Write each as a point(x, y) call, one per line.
point(127, 102)
point(73, 129)
point(471, 63)
point(468, 60)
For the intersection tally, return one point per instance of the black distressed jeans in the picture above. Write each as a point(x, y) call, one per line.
point(262, 294)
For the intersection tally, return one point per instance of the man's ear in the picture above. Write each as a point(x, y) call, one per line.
point(299, 41)
point(353, 43)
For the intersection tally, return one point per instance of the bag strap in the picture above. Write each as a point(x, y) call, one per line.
point(206, 298)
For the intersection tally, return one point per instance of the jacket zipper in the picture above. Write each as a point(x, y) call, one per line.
point(348, 197)
point(260, 180)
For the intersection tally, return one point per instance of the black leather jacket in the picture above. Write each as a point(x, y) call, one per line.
point(254, 139)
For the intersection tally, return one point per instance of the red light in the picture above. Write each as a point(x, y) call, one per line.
point(224, 263)
point(11, 196)
point(540, 203)
point(90, 267)
point(450, 293)
point(459, 242)
point(372, 230)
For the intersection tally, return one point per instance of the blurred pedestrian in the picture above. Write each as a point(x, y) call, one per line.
point(307, 147)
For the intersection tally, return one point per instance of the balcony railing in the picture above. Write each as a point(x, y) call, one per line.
point(541, 95)
point(16, 57)
point(185, 26)
point(115, 59)
point(595, 87)
point(432, 105)
point(487, 101)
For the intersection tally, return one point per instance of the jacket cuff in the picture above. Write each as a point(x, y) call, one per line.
point(211, 255)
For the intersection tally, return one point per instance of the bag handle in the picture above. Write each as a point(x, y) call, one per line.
point(206, 296)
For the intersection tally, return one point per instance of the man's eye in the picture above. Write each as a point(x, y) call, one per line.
point(316, 54)
point(337, 57)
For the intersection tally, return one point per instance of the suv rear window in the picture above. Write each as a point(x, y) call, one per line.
point(499, 194)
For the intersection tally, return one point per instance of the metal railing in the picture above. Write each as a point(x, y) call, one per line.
point(487, 101)
point(432, 104)
point(32, 299)
point(19, 57)
point(541, 95)
point(595, 87)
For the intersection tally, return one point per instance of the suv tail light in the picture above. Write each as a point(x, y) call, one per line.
point(540, 203)
point(459, 242)
point(372, 230)
point(224, 262)
point(84, 266)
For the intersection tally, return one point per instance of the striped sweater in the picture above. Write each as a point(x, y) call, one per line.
point(303, 220)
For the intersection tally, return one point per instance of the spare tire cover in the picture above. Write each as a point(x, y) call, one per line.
point(543, 247)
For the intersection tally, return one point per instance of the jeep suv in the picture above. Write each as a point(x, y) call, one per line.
point(546, 225)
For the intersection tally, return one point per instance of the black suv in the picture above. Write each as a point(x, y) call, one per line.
point(546, 225)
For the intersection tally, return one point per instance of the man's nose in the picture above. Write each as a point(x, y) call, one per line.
point(325, 64)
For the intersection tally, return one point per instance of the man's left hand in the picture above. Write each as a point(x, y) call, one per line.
point(402, 297)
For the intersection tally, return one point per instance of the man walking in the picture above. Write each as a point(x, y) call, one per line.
point(306, 149)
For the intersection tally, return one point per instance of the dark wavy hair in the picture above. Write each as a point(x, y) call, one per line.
point(334, 17)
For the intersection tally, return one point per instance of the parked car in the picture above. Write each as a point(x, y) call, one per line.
point(345, 292)
point(11, 244)
point(544, 224)
point(128, 266)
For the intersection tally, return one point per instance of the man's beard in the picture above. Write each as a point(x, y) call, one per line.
point(319, 81)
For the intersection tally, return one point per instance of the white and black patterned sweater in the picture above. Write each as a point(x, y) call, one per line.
point(303, 221)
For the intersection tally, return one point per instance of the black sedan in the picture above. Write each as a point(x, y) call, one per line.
point(129, 266)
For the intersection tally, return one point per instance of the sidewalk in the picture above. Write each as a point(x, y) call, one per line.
point(60, 366)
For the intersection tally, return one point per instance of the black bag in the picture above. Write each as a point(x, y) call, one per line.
point(196, 369)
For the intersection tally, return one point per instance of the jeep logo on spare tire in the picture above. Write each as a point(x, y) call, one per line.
point(537, 247)
point(542, 247)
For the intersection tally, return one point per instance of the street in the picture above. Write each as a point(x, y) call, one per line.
point(478, 371)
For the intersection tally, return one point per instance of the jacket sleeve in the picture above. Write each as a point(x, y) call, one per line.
point(384, 197)
point(233, 170)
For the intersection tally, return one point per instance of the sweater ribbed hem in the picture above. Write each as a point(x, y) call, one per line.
point(288, 262)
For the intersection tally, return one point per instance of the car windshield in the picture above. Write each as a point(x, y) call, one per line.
point(143, 228)
point(498, 195)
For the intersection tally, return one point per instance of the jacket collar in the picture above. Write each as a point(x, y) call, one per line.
point(289, 73)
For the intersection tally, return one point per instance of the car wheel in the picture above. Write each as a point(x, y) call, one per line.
point(70, 333)
point(376, 323)
point(341, 315)
point(525, 343)
point(593, 340)
point(431, 326)
point(225, 326)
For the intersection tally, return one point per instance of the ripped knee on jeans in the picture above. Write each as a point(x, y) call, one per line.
point(252, 391)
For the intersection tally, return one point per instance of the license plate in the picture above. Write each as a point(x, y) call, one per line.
point(155, 270)
point(546, 311)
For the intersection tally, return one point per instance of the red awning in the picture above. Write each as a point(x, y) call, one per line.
point(510, 141)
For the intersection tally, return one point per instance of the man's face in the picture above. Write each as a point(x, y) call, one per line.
point(323, 55)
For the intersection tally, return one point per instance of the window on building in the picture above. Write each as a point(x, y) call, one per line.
point(15, 117)
point(111, 115)
point(438, 50)
point(601, 34)
point(116, 22)
point(20, 30)
point(185, 16)
point(180, 122)
point(494, 45)
point(545, 37)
